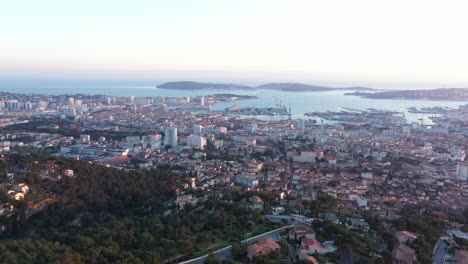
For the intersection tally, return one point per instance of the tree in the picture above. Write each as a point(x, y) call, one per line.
point(212, 259)
point(109, 215)
point(250, 225)
point(273, 256)
point(239, 251)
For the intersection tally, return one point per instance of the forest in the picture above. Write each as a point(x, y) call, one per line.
point(109, 215)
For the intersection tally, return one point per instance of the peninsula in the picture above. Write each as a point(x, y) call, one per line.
point(442, 94)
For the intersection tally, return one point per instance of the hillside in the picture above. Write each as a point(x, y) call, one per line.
point(189, 85)
point(450, 94)
point(293, 87)
point(305, 87)
point(111, 215)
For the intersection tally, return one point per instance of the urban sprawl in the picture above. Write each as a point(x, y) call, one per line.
point(370, 163)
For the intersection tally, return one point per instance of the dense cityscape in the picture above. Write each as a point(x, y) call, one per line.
point(233, 132)
point(195, 185)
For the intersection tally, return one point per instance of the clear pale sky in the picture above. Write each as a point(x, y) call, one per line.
point(353, 42)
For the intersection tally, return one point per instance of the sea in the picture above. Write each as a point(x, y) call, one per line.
point(299, 102)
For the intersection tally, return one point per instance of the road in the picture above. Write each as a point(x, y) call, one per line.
point(293, 252)
point(440, 252)
point(297, 220)
point(225, 253)
point(346, 256)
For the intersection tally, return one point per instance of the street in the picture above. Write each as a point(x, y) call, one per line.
point(225, 253)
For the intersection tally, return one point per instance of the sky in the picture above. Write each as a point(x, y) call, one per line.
point(361, 42)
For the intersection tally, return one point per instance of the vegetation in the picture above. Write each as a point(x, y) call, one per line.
point(428, 226)
point(109, 215)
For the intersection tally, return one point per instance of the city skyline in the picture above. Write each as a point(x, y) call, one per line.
point(398, 44)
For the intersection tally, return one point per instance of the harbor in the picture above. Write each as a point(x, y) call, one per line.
point(355, 116)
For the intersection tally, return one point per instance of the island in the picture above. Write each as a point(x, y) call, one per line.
point(189, 85)
point(290, 87)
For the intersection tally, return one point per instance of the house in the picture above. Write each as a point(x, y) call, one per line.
point(262, 247)
point(461, 256)
point(15, 195)
point(405, 236)
point(278, 210)
point(361, 201)
point(312, 246)
point(68, 173)
point(458, 233)
point(268, 243)
point(359, 223)
point(301, 232)
point(306, 156)
point(257, 202)
point(185, 199)
point(6, 208)
point(247, 180)
point(331, 217)
point(21, 187)
point(255, 250)
point(50, 164)
point(402, 254)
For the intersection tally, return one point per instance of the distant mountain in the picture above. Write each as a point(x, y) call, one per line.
point(293, 87)
point(443, 94)
point(188, 85)
point(305, 87)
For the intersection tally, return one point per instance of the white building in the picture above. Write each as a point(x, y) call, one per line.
point(218, 143)
point(70, 112)
point(42, 104)
point(361, 201)
point(143, 100)
point(69, 173)
point(407, 129)
point(252, 127)
point(21, 187)
point(71, 101)
point(196, 141)
point(367, 175)
point(5, 146)
point(462, 171)
point(221, 130)
point(84, 139)
point(247, 180)
point(171, 136)
point(301, 124)
point(197, 129)
point(28, 105)
point(12, 105)
point(15, 195)
point(306, 156)
point(185, 199)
